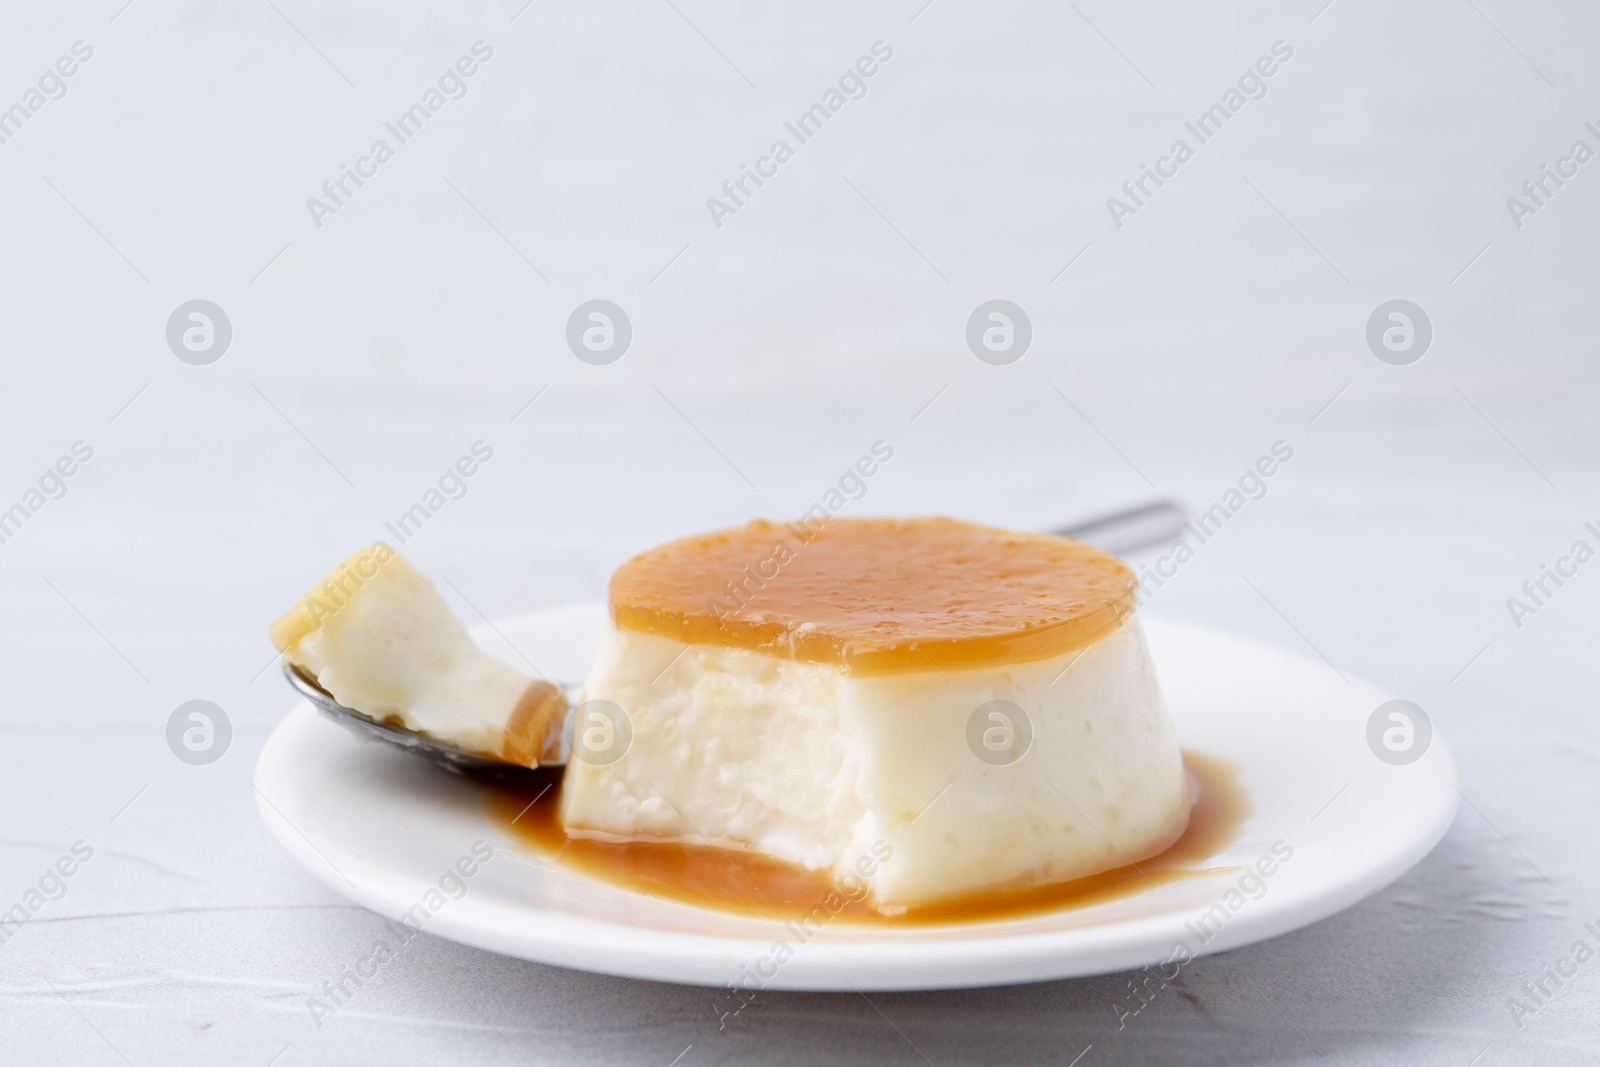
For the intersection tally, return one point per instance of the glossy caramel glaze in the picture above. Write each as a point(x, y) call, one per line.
point(761, 887)
point(877, 595)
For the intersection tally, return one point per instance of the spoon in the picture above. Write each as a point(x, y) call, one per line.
point(1119, 531)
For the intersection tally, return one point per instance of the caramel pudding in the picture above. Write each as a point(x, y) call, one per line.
point(933, 708)
point(378, 636)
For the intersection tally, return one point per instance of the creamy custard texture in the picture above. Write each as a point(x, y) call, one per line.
point(378, 636)
point(821, 697)
point(752, 884)
point(877, 595)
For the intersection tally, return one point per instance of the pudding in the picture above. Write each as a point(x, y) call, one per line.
point(925, 709)
point(377, 635)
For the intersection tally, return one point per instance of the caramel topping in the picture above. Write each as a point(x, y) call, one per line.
point(877, 596)
point(528, 728)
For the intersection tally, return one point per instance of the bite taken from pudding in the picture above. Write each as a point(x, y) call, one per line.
point(930, 708)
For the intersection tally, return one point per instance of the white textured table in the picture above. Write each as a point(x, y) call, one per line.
point(826, 313)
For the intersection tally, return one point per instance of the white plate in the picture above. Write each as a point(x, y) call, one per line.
point(383, 828)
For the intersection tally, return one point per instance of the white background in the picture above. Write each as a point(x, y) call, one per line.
point(369, 353)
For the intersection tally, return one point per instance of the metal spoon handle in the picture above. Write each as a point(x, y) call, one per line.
point(1156, 522)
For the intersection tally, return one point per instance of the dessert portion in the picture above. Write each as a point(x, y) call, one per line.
point(378, 636)
point(927, 708)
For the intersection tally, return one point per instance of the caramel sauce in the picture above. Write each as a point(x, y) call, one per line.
point(527, 730)
point(761, 887)
point(877, 595)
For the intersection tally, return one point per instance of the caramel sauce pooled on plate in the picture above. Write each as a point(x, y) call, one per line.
point(760, 887)
point(876, 596)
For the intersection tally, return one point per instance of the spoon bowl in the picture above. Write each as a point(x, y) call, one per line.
point(443, 755)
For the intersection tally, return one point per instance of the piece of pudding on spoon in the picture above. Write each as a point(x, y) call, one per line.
point(377, 637)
